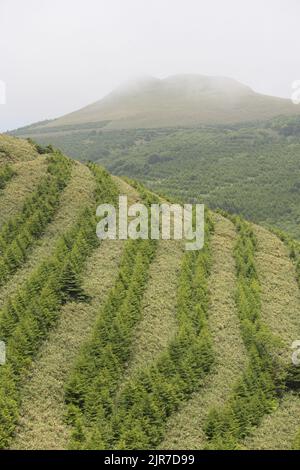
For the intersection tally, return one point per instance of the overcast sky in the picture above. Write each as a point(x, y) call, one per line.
point(59, 55)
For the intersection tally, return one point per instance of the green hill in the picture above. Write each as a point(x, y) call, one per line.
point(250, 169)
point(138, 344)
point(195, 138)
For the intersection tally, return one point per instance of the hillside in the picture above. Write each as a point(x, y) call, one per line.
point(249, 169)
point(138, 344)
point(176, 101)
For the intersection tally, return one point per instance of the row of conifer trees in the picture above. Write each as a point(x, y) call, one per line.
point(19, 233)
point(33, 310)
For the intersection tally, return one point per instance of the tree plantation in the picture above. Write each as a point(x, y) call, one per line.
point(248, 168)
point(110, 342)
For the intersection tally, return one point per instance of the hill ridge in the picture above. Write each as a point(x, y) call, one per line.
point(93, 299)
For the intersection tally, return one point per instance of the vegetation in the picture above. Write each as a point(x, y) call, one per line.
point(19, 233)
point(27, 317)
point(180, 100)
point(262, 383)
point(78, 323)
point(293, 248)
point(293, 372)
point(96, 377)
point(296, 445)
point(158, 323)
point(27, 177)
point(15, 150)
point(185, 428)
point(6, 173)
point(248, 169)
point(135, 417)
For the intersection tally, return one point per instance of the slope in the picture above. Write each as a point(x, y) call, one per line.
point(138, 344)
point(180, 100)
point(251, 169)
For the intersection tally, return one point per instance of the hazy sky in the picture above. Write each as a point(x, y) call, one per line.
point(59, 55)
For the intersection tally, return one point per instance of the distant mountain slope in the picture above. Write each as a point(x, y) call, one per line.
point(177, 101)
point(12, 149)
point(250, 169)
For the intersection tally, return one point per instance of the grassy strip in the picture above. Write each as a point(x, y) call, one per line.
point(28, 176)
point(261, 384)
point(19, 233)
point(12, 149)
point(146, 195)
point(158, 325)
point(277, 430)
point(6, 174)
point(296, 443)
point(26, 318)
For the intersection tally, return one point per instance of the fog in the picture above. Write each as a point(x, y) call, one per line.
point(59, 55)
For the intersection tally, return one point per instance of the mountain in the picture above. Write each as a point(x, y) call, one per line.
point(177, 101)
point(138, 344)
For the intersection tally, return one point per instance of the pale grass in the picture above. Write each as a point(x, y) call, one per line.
point(280, 294)
point(28, 176)
point(14, 149)
point(158, 324)
point(281, 313)
point(278, 430)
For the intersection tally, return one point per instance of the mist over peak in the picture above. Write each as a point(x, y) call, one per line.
point(182, 100)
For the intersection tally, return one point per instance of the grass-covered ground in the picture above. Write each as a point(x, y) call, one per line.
point(42, 423)
point(279, 291)
point(158, 324)
point(77, 193)
point(186, 428)
point(277, 430)
point(137, 345)
point(27, 177)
